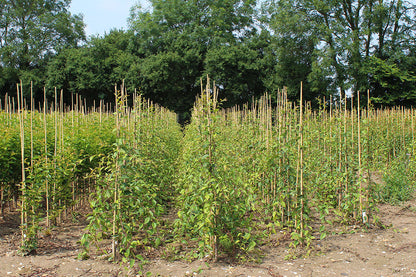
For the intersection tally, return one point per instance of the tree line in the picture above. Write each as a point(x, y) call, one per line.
point(248, 47)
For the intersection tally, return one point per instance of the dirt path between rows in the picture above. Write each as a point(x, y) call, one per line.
point(378, 252)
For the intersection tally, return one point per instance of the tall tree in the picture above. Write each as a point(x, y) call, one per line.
point(174, 39)
point(33, 30)
point(92, 70)
point(242, 70)
point(347, 34)
point(294, 45)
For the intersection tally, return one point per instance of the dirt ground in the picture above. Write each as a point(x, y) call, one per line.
point(377, 252)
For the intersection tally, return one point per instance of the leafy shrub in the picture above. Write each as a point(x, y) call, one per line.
point(399, 181)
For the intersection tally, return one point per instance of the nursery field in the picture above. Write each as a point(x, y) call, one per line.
point(240, 186)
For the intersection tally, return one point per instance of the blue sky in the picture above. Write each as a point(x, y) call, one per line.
point(101, 16)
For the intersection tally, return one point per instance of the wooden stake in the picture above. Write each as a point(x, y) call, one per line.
point(45, 107)
point(359, 150)
point(301, 158)
point(115, 196)
point(23, 218)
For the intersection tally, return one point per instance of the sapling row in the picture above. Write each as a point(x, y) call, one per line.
point(40, 174)
point(293, 166)
point(231, 179)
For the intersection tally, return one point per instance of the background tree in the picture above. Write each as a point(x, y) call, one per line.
point(294, 45)
point(92, 70)
point(241, 70)
point(348, 35)
point(31, 31)
point(334, 47)
point(180, 41)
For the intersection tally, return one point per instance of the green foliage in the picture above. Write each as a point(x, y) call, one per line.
point(217, 188)
point(181, 41)
point(239, 70)
point(339, 47)
point(393, 80)
point(92, 70)
point(134, 185)
point(214, 198)
point(55, 167)
point(399, 181)
point(32, 208)
point(345, 45)
point(31, 32)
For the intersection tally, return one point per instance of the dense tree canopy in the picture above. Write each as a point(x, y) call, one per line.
point(333, 47)
point(92, 70)
point(180, 42)
point(356, 45)
point(31, 32)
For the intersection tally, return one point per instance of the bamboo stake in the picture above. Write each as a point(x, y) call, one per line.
point(403, 125)
point(115, 196)
point(45, 105)
point(340, 160)
point(61, 144)
point(55, 153)
point(345, 147)
point(413, 131)
point(359, 150)
point(31, 145)
point(1, 200)
point(301, 159)
point(31, 123)
point(23, 218)
point(368, 146)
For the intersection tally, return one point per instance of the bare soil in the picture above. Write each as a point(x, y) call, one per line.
point(374, 252)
